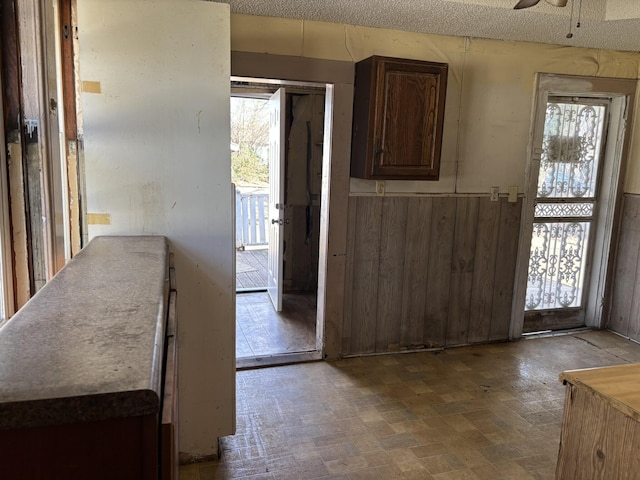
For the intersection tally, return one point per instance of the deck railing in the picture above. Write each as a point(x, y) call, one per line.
point(251, 219)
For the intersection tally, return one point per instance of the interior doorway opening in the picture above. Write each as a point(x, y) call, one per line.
point(277, 218)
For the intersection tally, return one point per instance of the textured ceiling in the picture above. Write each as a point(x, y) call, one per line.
point(611, 24)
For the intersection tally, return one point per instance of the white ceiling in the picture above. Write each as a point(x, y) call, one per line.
point(610, 24)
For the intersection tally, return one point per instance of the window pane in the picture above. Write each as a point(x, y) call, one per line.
point(564, 210)
point(570, 150)
point(557, 265)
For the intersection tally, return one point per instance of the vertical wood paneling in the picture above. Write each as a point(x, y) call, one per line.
point(348, 278)
point(617, 444)
point(574, 408)
point(439, 271)
point(505, 269)
point(366, 266)
point(391, 273)
point(626, 269)
point(634, 461)
point(597, 439)
point(634, 315)
point(464, 248)
point(484, 270)
point(428, 272)
point(634, 234)
point(416, 263)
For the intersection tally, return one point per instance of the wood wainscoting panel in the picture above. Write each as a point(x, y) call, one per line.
point(427, 272)
point(462, 265)
point(416, 265)
point(366, 266)
point(484, 271)
point(393, 243)
point(440, 250)
point(625, 298)
point(505, 269)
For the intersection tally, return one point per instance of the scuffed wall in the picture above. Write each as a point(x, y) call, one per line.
point(489, 94)
point(156, 136)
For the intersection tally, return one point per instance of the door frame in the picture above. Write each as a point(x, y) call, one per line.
point(6, 265)
point(621, 93)
point(338, 77)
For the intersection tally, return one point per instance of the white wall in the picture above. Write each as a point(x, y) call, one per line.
point(490, 91)
point(156, 135)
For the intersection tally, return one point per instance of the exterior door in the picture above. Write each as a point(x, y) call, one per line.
point(564, 223)
point(276, 197)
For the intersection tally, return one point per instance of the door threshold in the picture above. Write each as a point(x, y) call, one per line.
point(273, 360)
point(556, 333)
point(251, 290)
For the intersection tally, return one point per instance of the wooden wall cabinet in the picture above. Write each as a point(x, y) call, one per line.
point(398, 117)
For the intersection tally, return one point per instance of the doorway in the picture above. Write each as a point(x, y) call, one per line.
point(573, 186)
point(567, 194)
point(277, 220)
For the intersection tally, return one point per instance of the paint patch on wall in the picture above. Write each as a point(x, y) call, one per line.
point(99, 218)
point(91, 87)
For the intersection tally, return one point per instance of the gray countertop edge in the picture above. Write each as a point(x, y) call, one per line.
point(81, 409)
point(47, 404)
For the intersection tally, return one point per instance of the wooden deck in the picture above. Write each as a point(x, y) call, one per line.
point(251, 268)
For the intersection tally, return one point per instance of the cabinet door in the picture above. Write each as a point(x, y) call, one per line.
point(404, 116)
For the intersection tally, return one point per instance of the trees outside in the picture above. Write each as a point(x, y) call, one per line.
point(249, 141)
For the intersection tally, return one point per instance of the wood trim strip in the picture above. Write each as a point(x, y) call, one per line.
point(290, 68)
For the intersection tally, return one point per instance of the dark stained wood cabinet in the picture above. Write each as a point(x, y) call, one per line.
point(397, 119)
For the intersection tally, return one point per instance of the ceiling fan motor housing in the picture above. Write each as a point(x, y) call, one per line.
point(531, 3)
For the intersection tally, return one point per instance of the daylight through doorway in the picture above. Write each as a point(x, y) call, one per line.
point(265, 335)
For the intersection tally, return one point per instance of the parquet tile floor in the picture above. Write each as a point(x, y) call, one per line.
point(261, 331)
point(480, 412)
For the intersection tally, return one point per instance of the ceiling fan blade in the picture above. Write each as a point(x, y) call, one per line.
point(526, 4)
point(557, 3)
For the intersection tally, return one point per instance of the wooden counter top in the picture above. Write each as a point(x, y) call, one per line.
point(618, 386)
point(89, 345)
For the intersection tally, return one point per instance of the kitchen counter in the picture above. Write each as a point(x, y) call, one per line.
point(89, 348)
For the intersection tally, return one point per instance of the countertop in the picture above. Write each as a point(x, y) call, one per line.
point(89, 345)
point(618, 386)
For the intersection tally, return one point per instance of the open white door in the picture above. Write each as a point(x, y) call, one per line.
point(276, 198)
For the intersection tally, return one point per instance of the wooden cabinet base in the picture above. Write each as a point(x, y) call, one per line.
point(599, 438)
point(123, 449)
